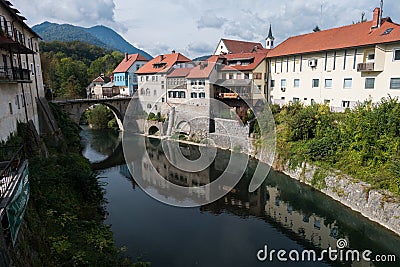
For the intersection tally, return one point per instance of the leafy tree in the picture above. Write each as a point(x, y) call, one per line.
point(71, 75)
point(100, 117)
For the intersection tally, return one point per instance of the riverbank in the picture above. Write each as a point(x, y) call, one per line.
point(64, 222)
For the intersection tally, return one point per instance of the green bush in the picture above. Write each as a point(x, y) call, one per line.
point(363, 142)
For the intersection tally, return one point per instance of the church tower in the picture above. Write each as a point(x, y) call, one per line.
point(269, 41)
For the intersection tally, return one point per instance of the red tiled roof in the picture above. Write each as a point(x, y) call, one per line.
point(257, 58)
point(165, 62)
point(102, 79)
point(203, 70)
point(126, 64)
point(180, 72)
point(354, 35)
point(235, 46)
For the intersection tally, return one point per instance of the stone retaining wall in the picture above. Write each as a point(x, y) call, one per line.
point(377, 205)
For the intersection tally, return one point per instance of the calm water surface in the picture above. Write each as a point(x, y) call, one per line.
point(282, 214)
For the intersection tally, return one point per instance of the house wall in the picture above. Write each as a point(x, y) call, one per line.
point(12, 102)
point(128, 80)
point(336, 65)
point(221, 48)
point(152, 90)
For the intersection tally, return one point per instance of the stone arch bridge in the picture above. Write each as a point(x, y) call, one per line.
point(76, 107)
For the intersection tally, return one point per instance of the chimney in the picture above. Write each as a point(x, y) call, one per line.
point(173, 51)
point(376, 20)
point(162, 57)
point(126, 57)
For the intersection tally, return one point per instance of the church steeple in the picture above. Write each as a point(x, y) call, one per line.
point(269, 41)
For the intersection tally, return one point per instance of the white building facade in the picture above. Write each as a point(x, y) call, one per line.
point(21, 82)
point(152, 79)
point(339, 67)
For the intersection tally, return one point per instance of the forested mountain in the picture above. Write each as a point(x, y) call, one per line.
point(98, 35)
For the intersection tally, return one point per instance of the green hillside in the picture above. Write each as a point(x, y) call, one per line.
point(98, 35)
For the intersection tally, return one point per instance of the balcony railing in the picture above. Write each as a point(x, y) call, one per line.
point(10, 164)
point(370, 66)
point(14, 74)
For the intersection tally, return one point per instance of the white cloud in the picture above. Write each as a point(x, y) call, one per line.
point(82, 13)
point(199, 49)
point(210, 20)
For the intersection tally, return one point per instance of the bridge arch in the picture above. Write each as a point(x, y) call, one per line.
point(153, 130)
point(183, 127)
point(76, 107)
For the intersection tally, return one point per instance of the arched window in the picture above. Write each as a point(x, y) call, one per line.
point(149, 106)
point(142, 91)
point(147, 92)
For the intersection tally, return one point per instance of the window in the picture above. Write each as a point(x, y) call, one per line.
point(193, 82)
point(17, 102)
point(296, 83)
point(388, 31)
point(328, 83)
point(10, 106)
point(202, 95)
point(283, 83)
point(147, 92)
point(162, 86)
point(395, 83)
point(142, 91)
point(348, 83)
point(312, 101)
point(369, 83)
point(371, 56)
point(296, 99)
point(315, 83)
point(239, 76)
point(155, 92)
point(396, 54)
point(147, 78)
point(182, 95)
point(193, 95)
point(32, 69)
point(230, 76)
point(257, 76)
point(148, 106)
point(247, 76)
point(272, 83)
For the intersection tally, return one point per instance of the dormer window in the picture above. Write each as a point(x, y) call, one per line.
point(159, 65)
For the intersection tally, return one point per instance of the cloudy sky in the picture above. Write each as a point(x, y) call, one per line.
point(194, 27)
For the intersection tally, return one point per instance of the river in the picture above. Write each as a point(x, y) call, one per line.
point(281, 214)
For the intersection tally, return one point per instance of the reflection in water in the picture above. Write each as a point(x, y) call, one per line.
point(98, 144)
point(282, 213)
